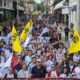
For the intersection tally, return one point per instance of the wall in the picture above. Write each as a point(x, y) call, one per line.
point(51, 5)
point(7, 4)
point(73, 12)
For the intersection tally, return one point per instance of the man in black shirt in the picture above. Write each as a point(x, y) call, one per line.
point(66, 33)
point(39, 71)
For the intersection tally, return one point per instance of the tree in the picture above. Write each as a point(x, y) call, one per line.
point(7, 15)
point(42, 7)
point(31, 2)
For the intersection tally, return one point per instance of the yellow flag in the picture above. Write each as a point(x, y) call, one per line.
point(15, 39)
point(30, 22)
point(25, 31)
point(75, 45)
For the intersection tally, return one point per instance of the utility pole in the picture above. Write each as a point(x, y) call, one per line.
point(78, 15)
point(17, 11)
point(46, 4)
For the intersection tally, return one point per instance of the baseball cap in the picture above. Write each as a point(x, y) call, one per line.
point(38, 60)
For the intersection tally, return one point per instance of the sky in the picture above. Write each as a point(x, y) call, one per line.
point(38, 1)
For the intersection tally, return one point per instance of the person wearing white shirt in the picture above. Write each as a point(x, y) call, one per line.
point(1, 64)
point(23, 73)
point(77, 71)
point(48, 64)
point(3, 57)
point(54, 72)
point(76, 57)
point(70, 40)
point(10, 74)
point(65, 73)
point(28, 57)
point(59, 55)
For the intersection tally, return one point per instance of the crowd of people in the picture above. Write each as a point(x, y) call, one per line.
point(45, 55)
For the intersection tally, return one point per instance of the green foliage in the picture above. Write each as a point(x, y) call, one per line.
point(47, 9)
point(31, 1)
point(41, 7)
point(7, 15)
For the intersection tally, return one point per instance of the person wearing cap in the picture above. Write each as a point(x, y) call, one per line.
point(38, 71)
point(77, 70)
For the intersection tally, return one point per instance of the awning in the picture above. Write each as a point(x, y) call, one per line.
point(59, 5)
point(1, 12)
point(20, 8)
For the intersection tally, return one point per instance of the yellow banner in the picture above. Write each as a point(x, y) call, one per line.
point(25, 31)
point(15, 40)
point(75, 45)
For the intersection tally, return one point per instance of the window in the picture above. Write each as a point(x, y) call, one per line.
point(0, 2)
point(7, 3)
point(4, 3)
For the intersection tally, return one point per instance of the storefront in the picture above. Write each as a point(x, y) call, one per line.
point(73, 12)
point(60, 16)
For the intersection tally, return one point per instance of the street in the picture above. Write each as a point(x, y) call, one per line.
point(39, 40)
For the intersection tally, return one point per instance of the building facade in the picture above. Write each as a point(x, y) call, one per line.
point(6, 7)
point(73, 12)
point(60, 16)
point(74, 15)
point(29, 6)
point(49, 3)
point(9, 9)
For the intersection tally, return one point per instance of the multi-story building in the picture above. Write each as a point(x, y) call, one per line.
point(74, 15)
point(60, 15)
point(28, 6)
point(6, 6)
point(51, 6)
point(49, 3)
point(73, 12)
point(10, 7)
point(18, 6)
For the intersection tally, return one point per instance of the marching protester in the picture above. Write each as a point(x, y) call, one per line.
point(38, 51)
point(10, 74)
point(23, 73)
point(66, 30)
point(39, 71)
